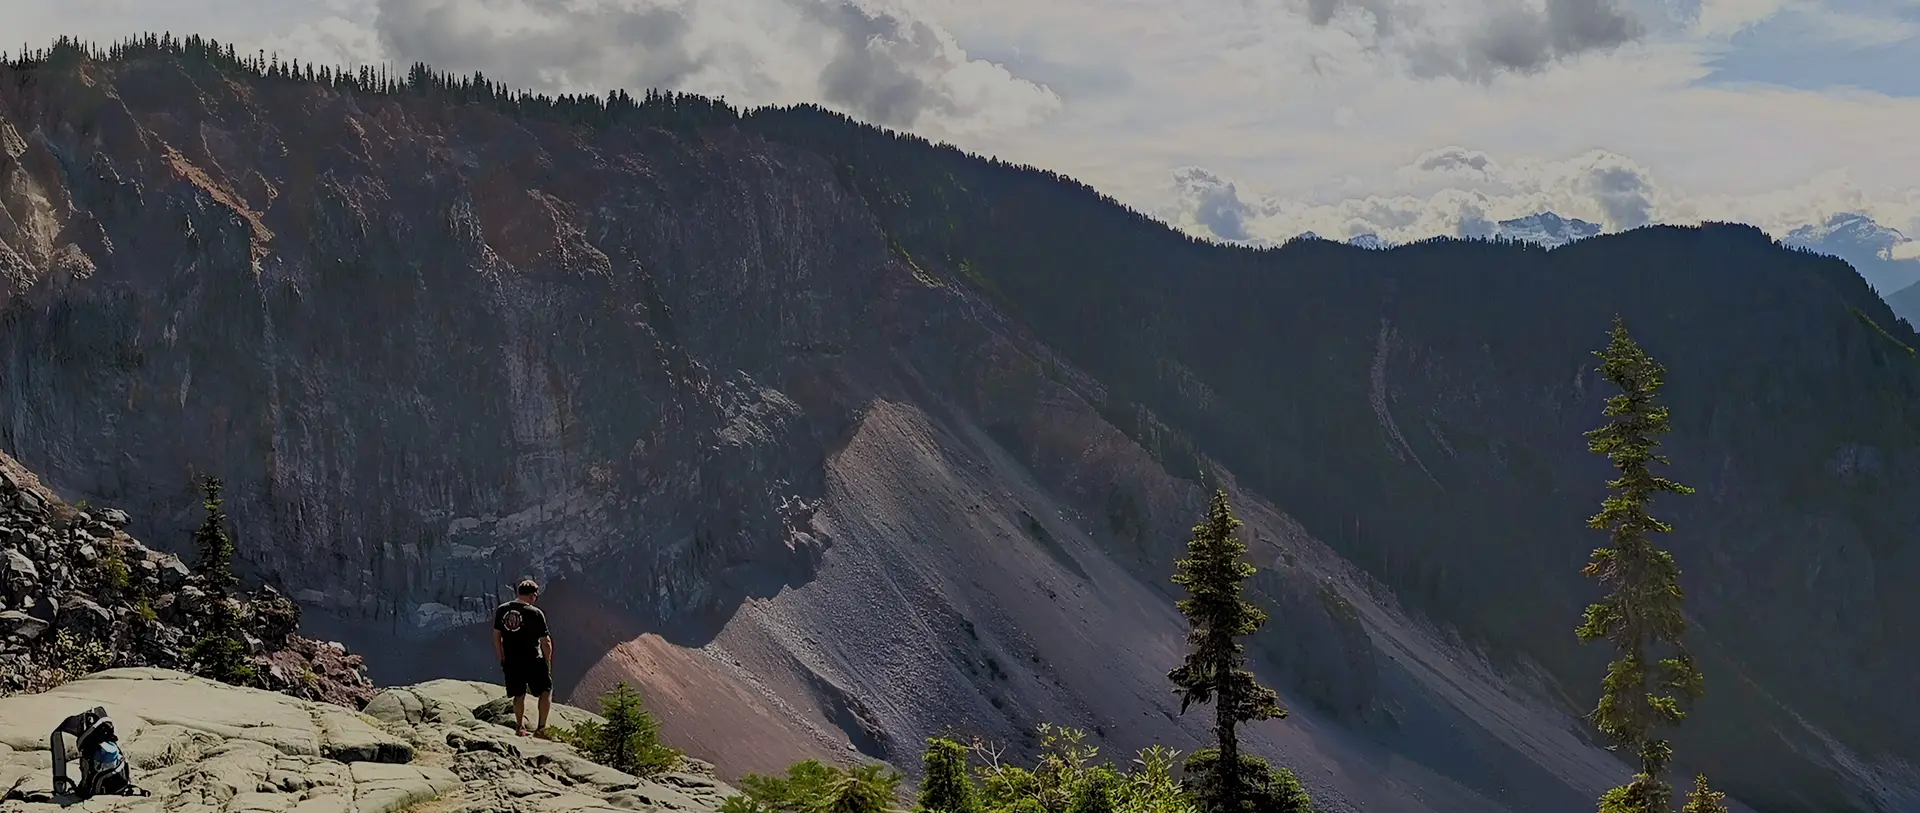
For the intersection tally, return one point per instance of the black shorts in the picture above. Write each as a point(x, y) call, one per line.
point(529, 676)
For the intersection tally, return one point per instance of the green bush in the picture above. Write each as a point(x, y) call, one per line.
point(815, 787)
point(1069, 777)
point(74, 657)
point(113, 567)
point(1267, 789)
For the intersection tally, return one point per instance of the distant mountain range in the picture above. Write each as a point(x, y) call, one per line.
point(1546, 229)
point(1886, 258)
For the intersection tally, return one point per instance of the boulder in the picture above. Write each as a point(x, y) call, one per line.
point(18, 627)
point(272, 616)
point(17, 572)
point(29, 503)
point(85, 618)
point(174, 574)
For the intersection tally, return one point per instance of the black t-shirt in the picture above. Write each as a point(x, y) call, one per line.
point(521, 627)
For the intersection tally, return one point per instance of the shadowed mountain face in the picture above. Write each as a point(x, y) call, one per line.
point(833, 439)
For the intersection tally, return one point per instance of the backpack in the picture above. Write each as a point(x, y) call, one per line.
point(104, 769)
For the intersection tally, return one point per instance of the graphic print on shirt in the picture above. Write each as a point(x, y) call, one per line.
point(511, 621)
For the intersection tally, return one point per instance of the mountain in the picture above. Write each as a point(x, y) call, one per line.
point(1546, 229)
point(1883, 255)
point(831, 438)
point(1368, 240)
point(1906, 303)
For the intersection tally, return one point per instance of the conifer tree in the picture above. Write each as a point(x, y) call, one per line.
point(215, 565)
point(1646, 685)
point(630, 739)
point(1704, 799)
point(219, 654)
point(947, 787)
point(1214, 670)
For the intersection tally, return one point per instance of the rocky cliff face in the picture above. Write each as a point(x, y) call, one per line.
point(77, 595)
point(833, 440)
point(423, 382)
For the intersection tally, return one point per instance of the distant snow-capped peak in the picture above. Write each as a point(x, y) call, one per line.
point(1883, 256)
point(1849, 232)
point(1546, 229)
point(1368, 240)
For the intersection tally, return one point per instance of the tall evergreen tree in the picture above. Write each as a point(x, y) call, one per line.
point(219, 653)
point(1645, 686)
point(1215, 668)
point(215, 564)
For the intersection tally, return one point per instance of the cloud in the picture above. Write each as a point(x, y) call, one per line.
point(1213, 202)
point(1450, 162)
point(1456, 160)
point(883, 66)
point(1482, 38)
point(1724, 18)
point(1619, 187)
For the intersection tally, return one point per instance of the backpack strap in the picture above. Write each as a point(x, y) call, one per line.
point(101, 731)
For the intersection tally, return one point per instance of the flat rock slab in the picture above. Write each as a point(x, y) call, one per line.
point(204, 747)
point(138, 699)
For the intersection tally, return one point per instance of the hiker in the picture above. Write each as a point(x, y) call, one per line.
point(525, 649)
point(103, 769)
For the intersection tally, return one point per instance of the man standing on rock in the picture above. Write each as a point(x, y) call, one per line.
point(525, 650)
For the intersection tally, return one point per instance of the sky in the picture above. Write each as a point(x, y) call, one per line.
point(1242, 120)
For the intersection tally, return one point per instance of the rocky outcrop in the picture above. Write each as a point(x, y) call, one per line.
point(78, 594)
point(203, 747)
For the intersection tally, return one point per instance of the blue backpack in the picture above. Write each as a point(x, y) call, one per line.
point(103, 768)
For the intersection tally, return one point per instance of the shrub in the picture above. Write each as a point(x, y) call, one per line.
point(113, 568)
point(815, 787)
point(1266, 789)
point(75, 657)
point(1069, 778)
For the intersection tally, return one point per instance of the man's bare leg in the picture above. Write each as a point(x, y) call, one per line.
point(520, 714)
point(546, 704)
